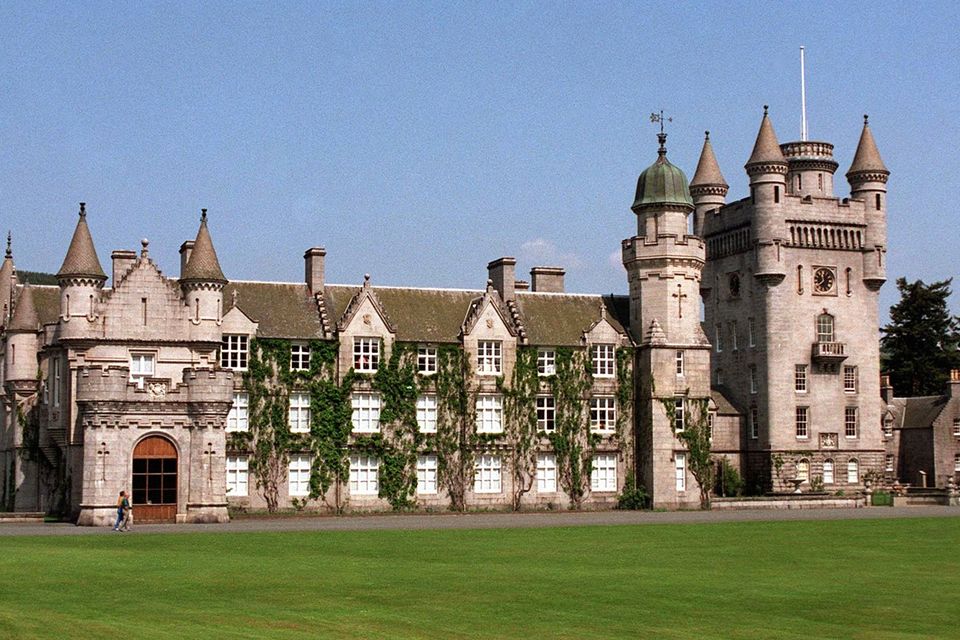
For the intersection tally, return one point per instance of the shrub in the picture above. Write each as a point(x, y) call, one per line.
point(633, 496)
point(730, 483)
point(881, 499)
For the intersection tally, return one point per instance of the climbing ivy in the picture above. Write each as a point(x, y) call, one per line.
point(456, 435)
point(520, 418)
point(696, 437)
point(572, 441)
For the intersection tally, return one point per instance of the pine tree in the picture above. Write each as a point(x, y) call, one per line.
point(919, 346)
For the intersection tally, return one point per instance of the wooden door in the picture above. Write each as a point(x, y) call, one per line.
point(155, 480)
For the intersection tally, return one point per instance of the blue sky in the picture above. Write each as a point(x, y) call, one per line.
point(418, 141)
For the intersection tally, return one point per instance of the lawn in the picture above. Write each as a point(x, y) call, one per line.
point(833, 579)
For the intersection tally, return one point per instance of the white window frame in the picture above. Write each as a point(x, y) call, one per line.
point(956, 462)
point(56, 387)
point(850, 379)
point(489, 357)
point(753, 379)
point(828, 468)
point(365, 415)
point(427, 474)
point(853, 471)
point(366, 354)
point(235, 351)
point(801, 381)
point(239, 416)
point(733, 336)
point(487, 476)
point(680, 471)
point(751, 332)
point(546, 473)
point(603, 414)
point(851, 428)
point(802, 423)
point(298, 475)
point(489, 410)
point(143, 365)
point(754, 423)
point(826, 328)
point(426, 360)
point(299, 357)
point(546, 362)
point(546, 414)
point(679, 361)
point(238, 476)
point(719, 377)
point(888, 463)
point(679, 415)
point(803, 470)
point(298, 415)
point(956, 427)
point(603, 473)
point(427, 413)
point(604, 359)
point(718, 338)
point(364, 475)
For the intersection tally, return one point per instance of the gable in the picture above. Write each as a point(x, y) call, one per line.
point(144, 305)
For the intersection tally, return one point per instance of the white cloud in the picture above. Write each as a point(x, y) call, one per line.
point(615, 260)
point(540, 252)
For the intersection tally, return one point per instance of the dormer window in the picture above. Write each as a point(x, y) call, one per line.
point(299, 357)
point(603, 360)
point(366, 354)
point(489, 357)
point(426, 360)
point(234, 351)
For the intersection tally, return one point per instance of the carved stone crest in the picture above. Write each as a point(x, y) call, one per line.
point(828, 440)
point(489, 323)
point(157, 390)
point(367, 319)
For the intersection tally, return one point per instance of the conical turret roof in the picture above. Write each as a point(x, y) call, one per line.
point(203, 264)
point(867, 158)
point(81, 259)
point(766, 149)
point(7, 270)
point(708, 171)
point(25, 315)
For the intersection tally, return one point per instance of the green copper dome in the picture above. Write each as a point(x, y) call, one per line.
point(662, 183)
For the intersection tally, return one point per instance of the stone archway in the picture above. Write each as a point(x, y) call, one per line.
point(155, 480)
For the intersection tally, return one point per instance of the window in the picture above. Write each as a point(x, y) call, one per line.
point(853, 471)
point(489, 357)
point(754, 423)
point(299, 412)
point(956, 427)
point(364, 471)
point(850, 422)
point(733, 336)
point(888, 428)
point(603, 414)
point(366, 412)
point(802, 419)
point(751, 332)
point(237, 418)
point(546, 362)
point(427, 360)
point(888, 464)
point(776, 194)
point(546, 473)
point(956, 462)
point(828, 472)
point(546, 414)
point(427, 413)
point(142, 366)
point(711, 418)
point(236, 476)
point(718, 338)
point(426, 474)
point(489, 414)
point(486, 477)
point(803, 470)
point(366, 354)
point(753, 379)
point(55, 390)
point(877, 202)
point(603, 361)
point(800, 378)
point(299, 357)
point(233, 352)
point(679, 419)
point(825, 328)
point(679, 364)
point(850, 379)
point(603, 472)
point(719, 376)
point(680, 470)
point(298, 476)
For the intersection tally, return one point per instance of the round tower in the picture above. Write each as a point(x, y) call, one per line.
point(22, 339)
point(202, 282)
point(767, 169)
point(81, 280)
point(868, 182)
point(810, 168)
point(708, 188)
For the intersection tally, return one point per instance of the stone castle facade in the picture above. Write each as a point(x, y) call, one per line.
point(199, 393)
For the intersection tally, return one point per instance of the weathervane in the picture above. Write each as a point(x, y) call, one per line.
point(662, 136)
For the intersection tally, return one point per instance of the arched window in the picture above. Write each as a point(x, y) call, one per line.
point(828, 472)
point(825, 328)
point(803, 470)
point(853, 471)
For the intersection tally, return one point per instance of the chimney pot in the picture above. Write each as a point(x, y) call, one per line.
point(547, 279)
point(502, 272)
point(185, 250)
point(314, 260)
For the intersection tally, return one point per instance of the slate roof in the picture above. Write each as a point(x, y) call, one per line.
point(203, 264)
point(81, 259)
point(867, 158)
point(25, 312)
point(559, 319)
point(708, 170)
point(46, 300)
point(766, 149)
point(919, 412)
point(283, 310)
point(725, 406)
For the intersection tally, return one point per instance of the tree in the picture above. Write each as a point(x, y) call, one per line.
point(919, 346)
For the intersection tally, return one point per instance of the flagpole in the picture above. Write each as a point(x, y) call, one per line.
point(803, 100)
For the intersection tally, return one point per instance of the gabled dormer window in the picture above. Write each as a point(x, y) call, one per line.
point(366, 354)
point(489, 357)
point(603, 361)
point(234, 352)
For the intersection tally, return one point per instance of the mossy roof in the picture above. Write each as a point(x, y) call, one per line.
point(559, 319)
point(46, 300)
point(282, 310)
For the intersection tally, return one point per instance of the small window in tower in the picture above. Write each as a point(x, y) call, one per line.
point(753, 195)
point(776, 193)
point(820, 181)
point(143, 308)
point(799, 183)
point(878, 202)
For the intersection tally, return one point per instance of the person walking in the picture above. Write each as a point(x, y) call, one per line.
point(127, 514)
point(120, 501)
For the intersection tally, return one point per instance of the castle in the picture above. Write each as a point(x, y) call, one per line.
point(199, 393)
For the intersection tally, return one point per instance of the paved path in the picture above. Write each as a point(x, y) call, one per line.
point(491, 520)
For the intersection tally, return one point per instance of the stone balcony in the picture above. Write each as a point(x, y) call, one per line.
point(829, 352)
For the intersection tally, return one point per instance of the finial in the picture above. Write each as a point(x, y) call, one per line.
point(83, 209)
point(9, 240)
point(203, 215)
point(489, 284)
point(662, 136)
point(143, 244)
point(706, 135)
point(235, 295)
point(366, 278)
point(866, 118)
point(765, 108)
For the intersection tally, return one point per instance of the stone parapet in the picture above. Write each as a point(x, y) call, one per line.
point(112, 384)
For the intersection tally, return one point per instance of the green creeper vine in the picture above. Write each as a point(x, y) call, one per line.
point(520, 421)
point(572, 439)
point(456, 433)
point(696, 437)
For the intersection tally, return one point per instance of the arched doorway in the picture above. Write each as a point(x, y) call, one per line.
point(155, 480)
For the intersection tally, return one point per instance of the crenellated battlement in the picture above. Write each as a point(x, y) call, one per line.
point(113, 384)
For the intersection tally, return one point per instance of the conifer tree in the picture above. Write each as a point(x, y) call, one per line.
point(919, 346)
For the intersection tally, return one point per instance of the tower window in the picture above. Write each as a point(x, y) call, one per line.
point(799, 183)
point(825, 328)
point(820, 181)
point(776, 193)
point(878, 201)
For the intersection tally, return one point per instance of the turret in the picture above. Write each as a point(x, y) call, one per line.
point(202, 284)
point(8, 279)
point(22, 337)
point(708, 188)
point(767, 169)
point(811, 168)
point(81, 280)
point(868, 182)
point(663, 200)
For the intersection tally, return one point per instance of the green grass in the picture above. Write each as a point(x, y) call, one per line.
point(833, 579)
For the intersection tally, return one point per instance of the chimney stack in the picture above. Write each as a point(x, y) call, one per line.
point(886, 390)
point(123, 259)
point(954, 390)
point(547, 279)
point(503, 271)
point(185, 250)
point(313, 268)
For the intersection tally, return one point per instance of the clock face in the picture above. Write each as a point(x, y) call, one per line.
point(824, 280)
point(734, 285)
